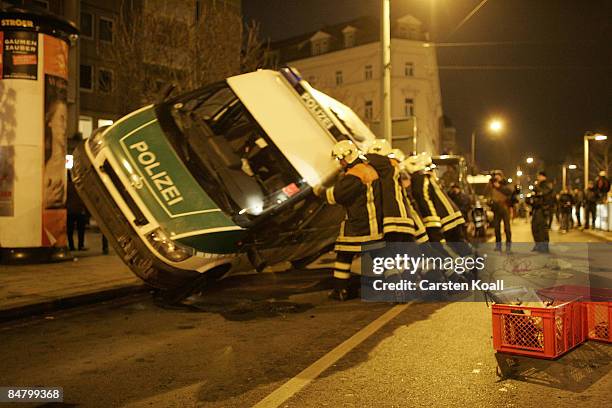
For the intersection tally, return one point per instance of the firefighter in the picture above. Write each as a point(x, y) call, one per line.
point(443, 220)
point(398, 226)
point(359, 192)
point(426, 246)
point(441, 216)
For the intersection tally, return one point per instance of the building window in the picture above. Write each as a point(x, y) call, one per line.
point(105, 80)
point(368, 72)
point(320, 47)
point(409, 69)
point(368, 110)
point(86, 77)
point(105, 29)
point(85, 126)
point(349, 39)
point(86, 25)
point(338, 77)
point(408, 107)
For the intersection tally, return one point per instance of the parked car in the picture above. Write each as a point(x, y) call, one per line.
point(218, 180)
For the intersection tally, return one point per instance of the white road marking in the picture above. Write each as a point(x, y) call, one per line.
point(306, 376)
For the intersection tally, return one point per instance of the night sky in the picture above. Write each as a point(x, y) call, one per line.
point(547, 73)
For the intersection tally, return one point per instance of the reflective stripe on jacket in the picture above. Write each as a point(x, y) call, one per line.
point(359, 192)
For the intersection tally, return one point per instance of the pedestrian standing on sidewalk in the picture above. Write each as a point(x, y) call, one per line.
point(590, 205)
point(578, 204)
point(500, 193)
point(76, 215)
point(359, 192)
point(602, 187)
point(566, 202)
point(542, 206)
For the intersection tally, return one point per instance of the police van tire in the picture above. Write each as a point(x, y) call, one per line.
point(307, 260)
point(175, 295)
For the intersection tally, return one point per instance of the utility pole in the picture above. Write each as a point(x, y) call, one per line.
point(385, 88)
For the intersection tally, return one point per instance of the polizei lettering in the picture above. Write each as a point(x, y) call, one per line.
point(160, 178)
point(316, 109)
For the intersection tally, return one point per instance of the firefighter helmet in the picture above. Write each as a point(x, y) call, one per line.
point(398, 155)
point(345, 150)
point(418, 162)
point(381, 147)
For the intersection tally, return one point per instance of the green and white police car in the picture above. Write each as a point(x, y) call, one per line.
point(219, 180)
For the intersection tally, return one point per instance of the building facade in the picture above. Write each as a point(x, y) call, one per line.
point(344, 61)
point(93, 94)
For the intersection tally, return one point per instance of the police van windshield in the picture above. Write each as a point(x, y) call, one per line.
point(250, 173)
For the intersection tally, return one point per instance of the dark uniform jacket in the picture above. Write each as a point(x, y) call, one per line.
point(396, 216)
point(566, 202)
point(359, 192)
point(436, 208)
point(544, 195)
point(420, 232)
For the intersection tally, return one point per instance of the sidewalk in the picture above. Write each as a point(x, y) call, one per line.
point(607, 235)
point(90, 277)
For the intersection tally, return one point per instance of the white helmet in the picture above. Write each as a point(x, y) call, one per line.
point(381, 147)
point(416, 163)
point(398, 155)
point(345, 150)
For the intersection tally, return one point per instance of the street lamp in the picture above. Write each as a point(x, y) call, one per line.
point(564, 173)
point(519, 173)
point(529, 160)
point(589, 136)
point(494, 126)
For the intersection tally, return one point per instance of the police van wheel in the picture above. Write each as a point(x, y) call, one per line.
point(175, 295)
point(302, 263)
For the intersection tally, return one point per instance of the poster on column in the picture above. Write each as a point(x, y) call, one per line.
point(56, 120)
point(20, 55)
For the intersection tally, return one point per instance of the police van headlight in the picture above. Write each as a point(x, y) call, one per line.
point(96, 143)
point(171, 250)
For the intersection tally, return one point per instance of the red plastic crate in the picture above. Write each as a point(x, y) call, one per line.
point(596, 304)
point(597, 319)
point(543, 332)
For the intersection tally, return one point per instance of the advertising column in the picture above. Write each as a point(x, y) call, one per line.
point(33, 122)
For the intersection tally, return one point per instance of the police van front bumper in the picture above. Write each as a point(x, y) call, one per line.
point(119, 231)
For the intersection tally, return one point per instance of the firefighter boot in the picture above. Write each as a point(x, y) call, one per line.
point(341, 290)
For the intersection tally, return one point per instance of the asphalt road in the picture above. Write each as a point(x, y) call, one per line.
point(250, 335)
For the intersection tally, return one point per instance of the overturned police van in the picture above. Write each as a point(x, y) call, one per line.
point(218, 180)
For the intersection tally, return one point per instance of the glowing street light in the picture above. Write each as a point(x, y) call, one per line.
point(589, 136)
point(564, 173)
point(496, 125)
point(519, 173)
point(510, 180)
point(529, 160)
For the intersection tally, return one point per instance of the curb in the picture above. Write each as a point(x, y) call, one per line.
point(70, 302)
point(597, 234)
